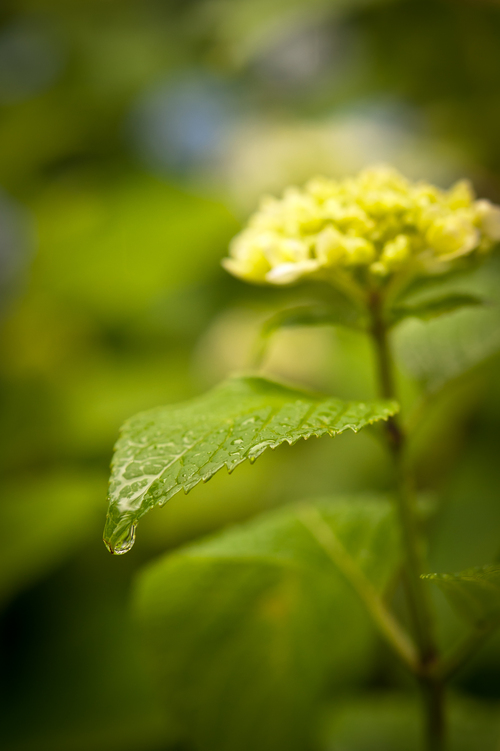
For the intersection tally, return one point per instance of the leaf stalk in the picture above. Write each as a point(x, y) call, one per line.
point(391, 630)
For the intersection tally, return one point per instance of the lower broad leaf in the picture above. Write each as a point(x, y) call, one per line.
point(474, 593)
point(247, 629)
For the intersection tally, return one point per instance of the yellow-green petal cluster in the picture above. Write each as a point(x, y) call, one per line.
point(369, 227)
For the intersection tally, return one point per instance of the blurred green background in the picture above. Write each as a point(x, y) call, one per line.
point(135, 137)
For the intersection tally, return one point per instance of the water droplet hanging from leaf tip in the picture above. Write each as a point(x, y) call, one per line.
point(121, 541)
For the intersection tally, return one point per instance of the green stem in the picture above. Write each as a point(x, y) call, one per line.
point(434, 708)
point(416, 592)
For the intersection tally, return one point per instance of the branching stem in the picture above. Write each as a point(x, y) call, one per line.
point(417, 596)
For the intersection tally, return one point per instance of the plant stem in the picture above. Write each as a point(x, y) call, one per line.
point(433, 700)
point(416, 592)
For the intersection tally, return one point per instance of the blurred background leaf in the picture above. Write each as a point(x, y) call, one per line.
point(45, 521)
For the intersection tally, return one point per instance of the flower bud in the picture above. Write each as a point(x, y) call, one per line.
point(452, 235)
point(489, 219)
point(395, 252)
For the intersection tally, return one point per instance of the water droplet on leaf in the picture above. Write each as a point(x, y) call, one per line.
point(122, 539)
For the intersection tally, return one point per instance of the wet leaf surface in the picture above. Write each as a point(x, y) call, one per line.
point(169, 449)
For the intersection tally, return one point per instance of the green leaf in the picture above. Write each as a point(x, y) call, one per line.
point(445, 348)
point(340, 312)
point(433, 308)
point(169, 449)
point(474, 593)
point(317, 314)
point(247, 630)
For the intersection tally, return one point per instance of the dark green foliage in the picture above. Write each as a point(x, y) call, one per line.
point(247, 629)
point(391, 722)
point(474, 593)
point(434, 308)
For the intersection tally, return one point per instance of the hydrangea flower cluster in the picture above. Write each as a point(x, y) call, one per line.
point(369, 227)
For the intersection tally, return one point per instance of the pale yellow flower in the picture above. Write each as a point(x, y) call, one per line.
point(367, 229)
